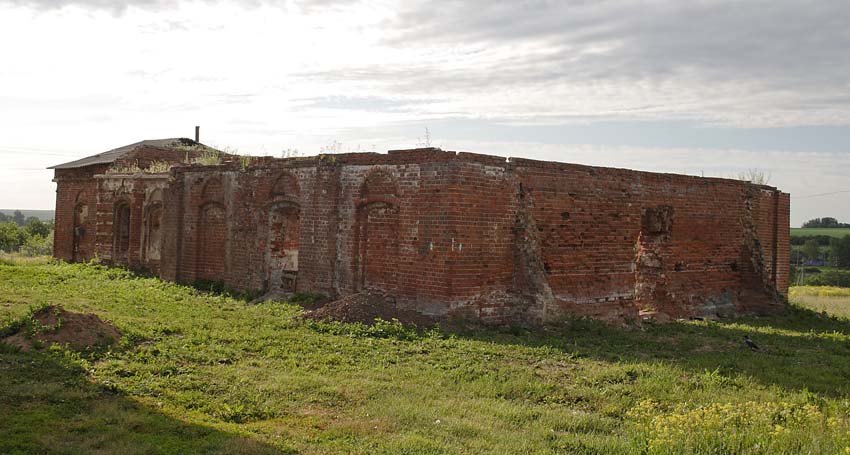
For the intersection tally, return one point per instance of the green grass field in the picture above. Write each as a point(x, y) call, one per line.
point(832, 232)
point(199, 373)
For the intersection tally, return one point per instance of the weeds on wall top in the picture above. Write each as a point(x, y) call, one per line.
point(756, 176)
point(208, 158)
point(245, 161)
point(125, 168)
point(156, 167)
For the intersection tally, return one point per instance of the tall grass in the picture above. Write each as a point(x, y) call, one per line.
point(158, 167)
point(208, 157)
point(828, 299)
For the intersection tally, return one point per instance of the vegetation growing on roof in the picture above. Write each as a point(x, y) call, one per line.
point(756, 176)
point(155, 167)
point(158, 167)
point(208, 157)
point(124, 168)
point(245, 161)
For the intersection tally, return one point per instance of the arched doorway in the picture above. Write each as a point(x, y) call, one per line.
point(121, 234)
point(283, 243)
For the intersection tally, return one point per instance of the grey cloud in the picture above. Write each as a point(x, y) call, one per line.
point(236, 98)
point(758, 59)
point(115, 7)
point(118, 7)
point(362, 103)
point(775, 41)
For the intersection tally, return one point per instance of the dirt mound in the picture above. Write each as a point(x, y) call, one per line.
point(55, 325)
point(365, 307)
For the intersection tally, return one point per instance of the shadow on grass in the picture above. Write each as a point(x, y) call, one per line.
point(800, 350)
point(48, 405)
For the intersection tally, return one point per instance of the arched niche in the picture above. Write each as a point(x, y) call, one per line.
point(121, 232)
point(285, 185)
point(212, 242)
point(378, 186)
point(79, 233)
point(213, 191)
point(376, 236)
point(152, 231)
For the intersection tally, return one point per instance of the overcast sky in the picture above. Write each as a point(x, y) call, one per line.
point(704, 88)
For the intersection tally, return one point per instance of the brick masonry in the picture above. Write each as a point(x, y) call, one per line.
point(451, 235)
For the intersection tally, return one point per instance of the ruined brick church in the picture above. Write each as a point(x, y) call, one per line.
point(446, 234)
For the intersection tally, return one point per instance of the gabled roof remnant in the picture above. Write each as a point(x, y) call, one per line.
point(109, 157)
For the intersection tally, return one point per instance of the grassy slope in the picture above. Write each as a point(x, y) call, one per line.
point(832, 232)
point(209, 374)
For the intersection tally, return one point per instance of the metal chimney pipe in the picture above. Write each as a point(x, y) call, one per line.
point(197, 134)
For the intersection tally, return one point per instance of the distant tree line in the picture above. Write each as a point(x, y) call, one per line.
point(29, 236)
point(825, 222)
point(816, 277)
point(822, 240)
point(818, 254)
point(836, 253)
point(17, 218)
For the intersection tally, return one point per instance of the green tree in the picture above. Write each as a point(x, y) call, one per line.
point(38, 246)
point(811, 250)
point(839, 251)
point(825, 222)
point(36, 227)
point(12, 236)
point(18, 218)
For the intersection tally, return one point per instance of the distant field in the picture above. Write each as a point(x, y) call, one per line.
point(833, 300)
point(832, 232)
point(43, 215)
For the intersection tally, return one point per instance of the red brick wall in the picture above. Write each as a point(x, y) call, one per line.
point(783, 243)
point(591, 220)
point(377, 247)
point(75, 188)
point(212, 233)
point(171, 253)
point(464, 235)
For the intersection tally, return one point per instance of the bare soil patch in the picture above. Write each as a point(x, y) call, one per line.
point(365, 307)
point(54, 324)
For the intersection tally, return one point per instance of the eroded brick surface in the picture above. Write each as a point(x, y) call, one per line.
point(446, 234)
